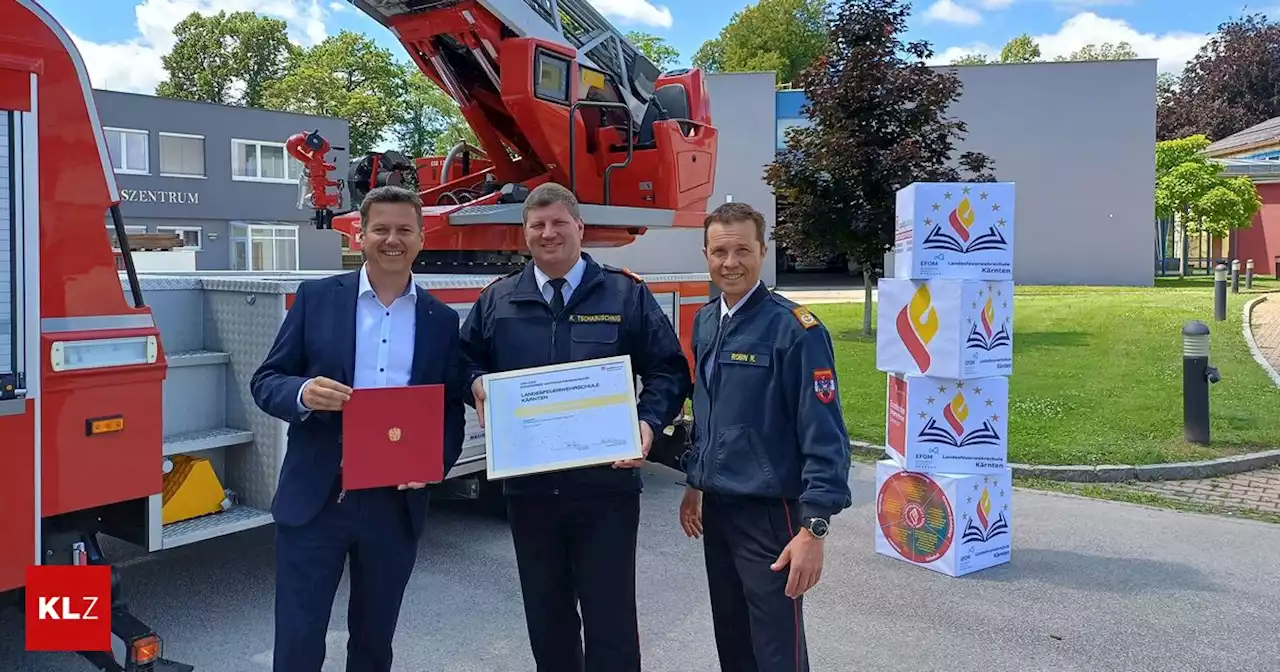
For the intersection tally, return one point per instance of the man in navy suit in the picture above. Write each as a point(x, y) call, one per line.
point(367, 328)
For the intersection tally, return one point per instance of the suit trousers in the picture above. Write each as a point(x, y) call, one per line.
point(757, 627)
point(579, 551)
point(371, 529)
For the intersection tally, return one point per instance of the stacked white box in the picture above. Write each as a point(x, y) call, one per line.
point(945, 340)
point(957, 231)
point(953, 524)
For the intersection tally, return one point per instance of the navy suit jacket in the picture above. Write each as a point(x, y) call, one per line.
point(318, 339)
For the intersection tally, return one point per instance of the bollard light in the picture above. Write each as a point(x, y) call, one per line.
point(1235, 276)
point(1248, 274)
point(1220, 292)
point(1197, 375)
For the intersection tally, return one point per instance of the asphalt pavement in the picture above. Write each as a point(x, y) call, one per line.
point(1092, 585)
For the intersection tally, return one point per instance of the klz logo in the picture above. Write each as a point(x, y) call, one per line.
point(69, 608)
point(59, 608)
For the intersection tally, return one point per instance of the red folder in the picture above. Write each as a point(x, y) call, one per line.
point(392, 436)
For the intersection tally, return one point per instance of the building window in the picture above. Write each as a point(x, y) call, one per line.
point(181, 155)
point(258, 161)
point(128, 231)
point(263, 246)
point(129, 150)
point(192, 236)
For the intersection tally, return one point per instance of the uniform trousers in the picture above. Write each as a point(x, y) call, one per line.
point(579, 551)
point(757, 627)
point(370, 528)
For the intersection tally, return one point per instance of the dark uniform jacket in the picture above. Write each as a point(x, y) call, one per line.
point(769, 423)
point(610, 313)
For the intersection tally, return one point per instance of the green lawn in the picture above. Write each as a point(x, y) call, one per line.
point(1097, 375)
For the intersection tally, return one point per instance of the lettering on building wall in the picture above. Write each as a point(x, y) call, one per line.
point(160, 196)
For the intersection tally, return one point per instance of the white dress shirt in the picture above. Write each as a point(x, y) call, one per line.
point(384, 338)
point(726, 309)
point(572, 279)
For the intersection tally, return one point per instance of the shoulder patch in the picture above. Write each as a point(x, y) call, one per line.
point(625, 271)
point(501, 277)
point(806, 318)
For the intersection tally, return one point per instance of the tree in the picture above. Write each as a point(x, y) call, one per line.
point(1024, 49)
point(226, 58)
point(654, 48)
point(1231, 84)
point(780, 35)
point(878, 125)
point(1192, 190)
point(346, 76)
point(1121, 51)
point(428, 122)
point(1166, 83)
point(1021, 49)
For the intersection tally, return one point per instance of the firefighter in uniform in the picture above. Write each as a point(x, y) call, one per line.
point(575, 530)
point(768, 462)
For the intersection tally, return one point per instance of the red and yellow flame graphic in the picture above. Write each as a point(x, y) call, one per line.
point(988, 317)
point(917, 325)
point(956, 413)
point(962, 219)
point(984, 508)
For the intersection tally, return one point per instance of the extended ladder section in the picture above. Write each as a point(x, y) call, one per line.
point(573, 23)
point(605, 48)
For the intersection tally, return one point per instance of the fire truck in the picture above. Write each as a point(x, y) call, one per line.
point(124, 394)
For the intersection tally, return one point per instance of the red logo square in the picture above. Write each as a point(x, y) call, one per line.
point(69, 608)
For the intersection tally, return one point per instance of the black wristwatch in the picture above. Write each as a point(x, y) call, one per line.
point(818, 527)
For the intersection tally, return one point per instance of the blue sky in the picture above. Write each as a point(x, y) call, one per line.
point(122, 40)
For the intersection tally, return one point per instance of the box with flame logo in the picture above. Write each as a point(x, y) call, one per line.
point(953, 524)
point(948, 426)
point(962, 231)
point(945, 328)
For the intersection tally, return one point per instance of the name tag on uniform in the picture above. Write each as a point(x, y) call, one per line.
point(750, 358)
point(591, 319)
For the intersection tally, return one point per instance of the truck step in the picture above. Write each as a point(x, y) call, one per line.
point(235, 519)
point(196, 358)
point(205, 439)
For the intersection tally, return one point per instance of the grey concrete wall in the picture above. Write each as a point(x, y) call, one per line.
point(1079, 141)
point(742, 109)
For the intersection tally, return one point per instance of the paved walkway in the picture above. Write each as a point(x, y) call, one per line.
point(810, 296)
point(1266, 329)
point(1254, 491)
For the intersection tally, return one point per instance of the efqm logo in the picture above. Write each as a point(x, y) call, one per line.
point(68, 608)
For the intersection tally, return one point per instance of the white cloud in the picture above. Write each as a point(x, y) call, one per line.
point(634, 11)
point(134, 64)
point(948, 11)
point(1172, 50)
point(1081, 4)
point(997, 4)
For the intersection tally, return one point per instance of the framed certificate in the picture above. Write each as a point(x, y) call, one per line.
point(562, 416)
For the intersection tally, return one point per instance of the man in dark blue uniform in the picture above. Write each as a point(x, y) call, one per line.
point(575, 530)
point(769, 460)
point(363, 329)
